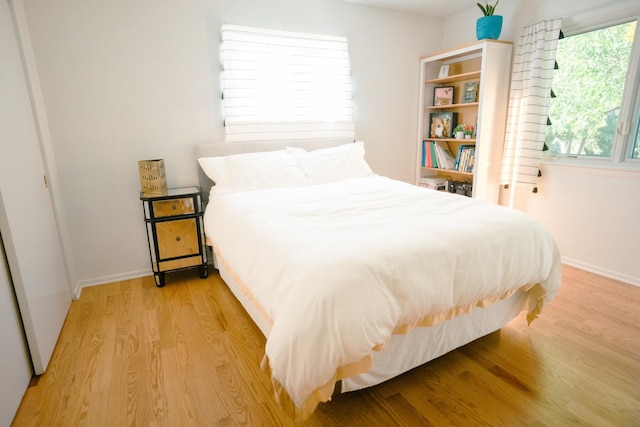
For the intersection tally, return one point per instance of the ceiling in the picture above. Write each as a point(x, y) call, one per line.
point(436, 8)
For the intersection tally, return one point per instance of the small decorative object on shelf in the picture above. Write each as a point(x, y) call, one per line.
point(442, 124)
point(463, 188)
point(175, 231)
point(444, 71)
point(443, 95)
point(458, 131)
point(470, 92)
point(463, 131)
point(489, 26)
point(468, 131)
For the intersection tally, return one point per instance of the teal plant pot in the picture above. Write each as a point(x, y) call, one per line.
point(489, 27)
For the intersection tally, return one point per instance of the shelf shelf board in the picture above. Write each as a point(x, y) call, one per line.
point(455, 78)
point(465, 140)
point(444, 171)
point(446, 107)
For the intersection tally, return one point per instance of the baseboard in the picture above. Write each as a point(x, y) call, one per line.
point(635, 281)
point(109, 279)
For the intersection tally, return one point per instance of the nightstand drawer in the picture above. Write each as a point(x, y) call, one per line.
point(172, 207)
point(177, 238)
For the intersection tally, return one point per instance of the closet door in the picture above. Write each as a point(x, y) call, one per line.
point(15, 369)
point(27, 221)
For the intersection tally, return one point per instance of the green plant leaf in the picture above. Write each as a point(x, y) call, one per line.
point(488, 9)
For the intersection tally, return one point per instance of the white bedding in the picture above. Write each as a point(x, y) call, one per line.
point(338, 268)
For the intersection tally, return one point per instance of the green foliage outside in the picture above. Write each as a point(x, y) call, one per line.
point(589, 85)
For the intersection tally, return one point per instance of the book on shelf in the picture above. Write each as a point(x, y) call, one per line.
point(470, 160)
point(433, 160)
point(434, 183)
point(444, 155)
point(464, 158)
point(428, 155)
point(427, 158)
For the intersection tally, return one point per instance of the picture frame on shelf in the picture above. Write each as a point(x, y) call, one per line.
point(444, 72)
point(442, 124)
point(442, 95)
point(470, 92)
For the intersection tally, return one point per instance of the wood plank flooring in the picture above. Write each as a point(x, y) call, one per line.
point(131, 354)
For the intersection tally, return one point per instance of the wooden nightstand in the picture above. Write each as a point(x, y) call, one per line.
point(175, 231)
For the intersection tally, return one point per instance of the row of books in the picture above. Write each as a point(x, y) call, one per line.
point(464, 158)
point(434, 183)
point(436, 154)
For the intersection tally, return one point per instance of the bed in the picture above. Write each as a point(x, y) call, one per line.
point(356, 278)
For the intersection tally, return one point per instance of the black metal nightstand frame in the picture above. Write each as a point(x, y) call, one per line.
point(175, 231)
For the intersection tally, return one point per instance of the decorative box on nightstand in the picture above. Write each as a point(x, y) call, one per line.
point(175, 231)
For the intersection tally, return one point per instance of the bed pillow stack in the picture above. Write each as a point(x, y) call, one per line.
point(291, 167)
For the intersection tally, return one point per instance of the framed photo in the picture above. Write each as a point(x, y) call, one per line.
point(443, 95)
point(442, 124)
point(470, 92)
point(444, 72)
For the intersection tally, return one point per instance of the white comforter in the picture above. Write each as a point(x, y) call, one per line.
point(338, 268)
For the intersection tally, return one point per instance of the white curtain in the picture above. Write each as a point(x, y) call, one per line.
point(533, 65)
point(282, 85)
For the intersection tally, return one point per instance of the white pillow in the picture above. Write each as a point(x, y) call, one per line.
point(332, 164)
point(254, 171)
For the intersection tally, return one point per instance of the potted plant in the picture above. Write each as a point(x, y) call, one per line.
point(488, 26)
point(458, 131)
point(468, 131)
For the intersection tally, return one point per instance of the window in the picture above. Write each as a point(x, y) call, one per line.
point(635, 150)
point(283, 85)
point(596, 111)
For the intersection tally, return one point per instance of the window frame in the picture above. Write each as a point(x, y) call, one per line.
point(629, 117)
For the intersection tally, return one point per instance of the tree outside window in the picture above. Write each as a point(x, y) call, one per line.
point(590, 86)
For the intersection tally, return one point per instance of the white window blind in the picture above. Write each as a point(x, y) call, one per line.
point(281, 85)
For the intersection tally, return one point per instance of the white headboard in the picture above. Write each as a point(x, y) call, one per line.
point(226, 148)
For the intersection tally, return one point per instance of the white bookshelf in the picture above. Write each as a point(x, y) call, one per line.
point(489, 63)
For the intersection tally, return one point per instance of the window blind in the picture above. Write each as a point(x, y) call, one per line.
point(283, 85)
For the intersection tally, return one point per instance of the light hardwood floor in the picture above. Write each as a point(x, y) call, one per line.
point(131, 354)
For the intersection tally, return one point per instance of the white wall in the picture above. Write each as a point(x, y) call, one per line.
point(591, 213)
point(593, 216)
point(460, 28)
point(129, 80)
